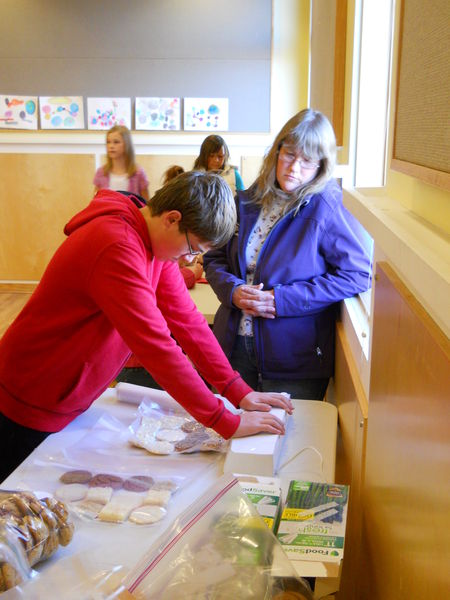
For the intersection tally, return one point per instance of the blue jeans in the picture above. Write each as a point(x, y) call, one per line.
point(243, 360)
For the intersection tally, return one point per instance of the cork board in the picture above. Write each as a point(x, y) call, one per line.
point(422, 120)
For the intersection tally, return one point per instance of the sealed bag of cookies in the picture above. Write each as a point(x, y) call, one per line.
point(134, 497)
point(39, 526)
point(160, 432)
point(14, 566)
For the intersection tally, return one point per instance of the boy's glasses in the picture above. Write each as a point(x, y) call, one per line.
point(191, 251)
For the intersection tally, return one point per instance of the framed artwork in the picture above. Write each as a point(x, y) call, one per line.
point(162, 114)
point(206, 114)
point(18, 112)
point(104, 113)
point(61, 112)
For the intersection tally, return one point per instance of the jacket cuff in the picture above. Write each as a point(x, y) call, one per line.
point(227, 424)
point(236, 390)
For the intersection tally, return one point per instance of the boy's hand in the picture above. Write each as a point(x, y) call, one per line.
point(264, 401)
point(258, 422)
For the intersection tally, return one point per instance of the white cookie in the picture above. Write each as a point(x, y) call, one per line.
point(170, 435)
point(120, 506)
point(172, 422)
point(71, 492)
point(87, 508)
point(102, 495)
point(145, 515)
point(157, 497)
point(159, 447)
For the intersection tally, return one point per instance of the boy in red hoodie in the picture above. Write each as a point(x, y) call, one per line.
point(114, 285)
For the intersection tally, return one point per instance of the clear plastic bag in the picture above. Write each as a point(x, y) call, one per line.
point(160, 431)
point(29, 528)
point(14, 566)
point(103, 468)
point(219, 548)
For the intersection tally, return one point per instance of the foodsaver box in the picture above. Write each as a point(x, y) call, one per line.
point(312, 524)
point(265, 495)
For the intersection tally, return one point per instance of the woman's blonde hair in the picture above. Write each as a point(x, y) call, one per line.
point(310, 133)
point(130, 161)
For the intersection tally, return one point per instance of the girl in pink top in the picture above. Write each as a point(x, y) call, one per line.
point(120, 172)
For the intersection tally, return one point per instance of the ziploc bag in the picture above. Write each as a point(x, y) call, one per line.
point(219, 548)
point(162, 432)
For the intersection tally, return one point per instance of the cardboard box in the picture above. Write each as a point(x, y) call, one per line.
point(265, 494)
point(312, 527)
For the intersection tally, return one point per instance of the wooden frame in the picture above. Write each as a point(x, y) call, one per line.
point(340, 42)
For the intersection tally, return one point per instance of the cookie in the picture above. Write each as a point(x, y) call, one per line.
point(106, 480)
point(88, 508)
point(71, 492)
point(192, 440)
point(138, 483)
point(121, 505)
point(79, 476)
point(172, 422)
point(157, 497)
point(165, 484)
point(102, 495)
point(191, 426)
point(144, 515)
point(159, 447)
point(170, 435)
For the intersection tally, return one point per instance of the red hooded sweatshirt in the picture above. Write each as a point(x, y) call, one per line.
point(102, 295)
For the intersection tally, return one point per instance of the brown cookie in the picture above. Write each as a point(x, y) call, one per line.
point(79, 476)
point(138, 483)
point(191, 441)
point(106, 480)
point(191, 426)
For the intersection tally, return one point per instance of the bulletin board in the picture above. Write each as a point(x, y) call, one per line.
point(142, 48)
point(422, 119)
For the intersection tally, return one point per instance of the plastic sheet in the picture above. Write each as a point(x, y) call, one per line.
point(219, 548)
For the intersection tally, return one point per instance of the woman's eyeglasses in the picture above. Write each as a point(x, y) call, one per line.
point(289, 157)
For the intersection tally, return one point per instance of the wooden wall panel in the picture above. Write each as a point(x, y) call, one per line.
point(155, 166)
point(406, 520)
point(352, 410)
point(38, 195)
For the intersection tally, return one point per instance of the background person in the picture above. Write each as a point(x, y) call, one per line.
point(296, 254)
point(214, 156)
point(120, 172)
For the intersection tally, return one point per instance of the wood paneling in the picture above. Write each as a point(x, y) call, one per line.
point(11, 303)
point(406, 521)
point(352, 409)
point(39, 193)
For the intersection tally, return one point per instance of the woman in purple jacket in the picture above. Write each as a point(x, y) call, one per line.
point(296, 254)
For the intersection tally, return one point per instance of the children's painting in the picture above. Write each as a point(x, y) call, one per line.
point(104, 113)
point(61, 112)
point(206, 114)
point(161, 114)
point(18, 112)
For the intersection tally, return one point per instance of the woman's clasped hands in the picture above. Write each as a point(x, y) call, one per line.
point(254, 301)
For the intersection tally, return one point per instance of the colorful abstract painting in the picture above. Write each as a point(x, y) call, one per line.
point(104, 113)
point(161, 114)
point(206, 114)
point(18, 112)
point(61, 112)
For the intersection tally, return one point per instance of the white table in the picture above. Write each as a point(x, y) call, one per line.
point(206, 300)
point(313, 425)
